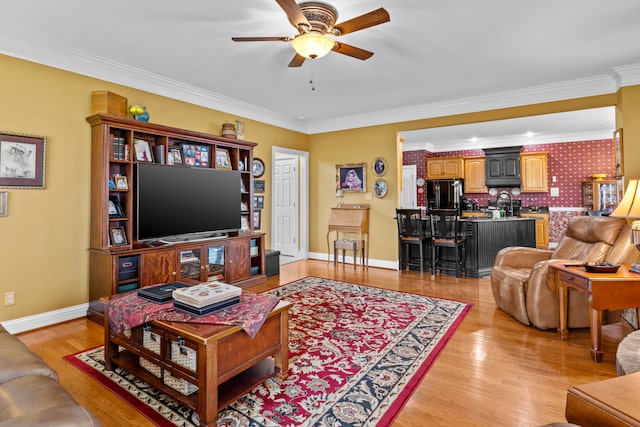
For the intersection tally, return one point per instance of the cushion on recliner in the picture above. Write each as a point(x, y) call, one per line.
point(17, 360)
point(510, 296)
point(39, 400)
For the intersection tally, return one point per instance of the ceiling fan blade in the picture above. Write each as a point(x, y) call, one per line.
point(352, 51)
point(261, 39)
point(376, 17)
point(293, 11)
point(297, 61)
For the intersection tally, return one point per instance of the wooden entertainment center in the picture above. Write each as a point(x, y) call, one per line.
point(119, 262)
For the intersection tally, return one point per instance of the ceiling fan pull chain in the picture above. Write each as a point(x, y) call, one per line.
point(313, 72)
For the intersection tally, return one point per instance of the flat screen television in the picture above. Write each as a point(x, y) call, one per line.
point(176, 203)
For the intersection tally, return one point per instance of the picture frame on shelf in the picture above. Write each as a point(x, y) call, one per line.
point(619, 152)
point(244, 206)
point(257, 217)
point(115, 208)
point(175, 156)
point(223, 161)
point(4, 203)
point(258, 185)
point(196, 155)
point(22, 160)
point(142, 150)
point(379, 188)
point(121, 182)
point(351, 177)
point(118, 236)
point(243, 188)
point(244, 223)
point(379, 166)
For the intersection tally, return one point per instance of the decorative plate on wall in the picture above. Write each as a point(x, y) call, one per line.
point(379, 166)
point(379, 188)
point(258, 167)
point(420, 182)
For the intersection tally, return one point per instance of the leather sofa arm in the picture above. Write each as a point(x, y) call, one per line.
point(521, 256)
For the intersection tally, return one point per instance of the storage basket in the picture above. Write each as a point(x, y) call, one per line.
point(183, 355)
point(179, 384)
point(151, 341)
point(151, 367)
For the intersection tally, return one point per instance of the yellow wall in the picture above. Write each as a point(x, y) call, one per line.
point(44, 240)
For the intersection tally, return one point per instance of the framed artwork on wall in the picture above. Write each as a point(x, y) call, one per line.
point(619, 160)
point(22, 160)
point(351, 177)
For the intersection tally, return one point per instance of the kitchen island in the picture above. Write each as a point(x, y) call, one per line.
point(486, 236)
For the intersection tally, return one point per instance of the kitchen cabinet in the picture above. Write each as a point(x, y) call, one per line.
point(474, 171)
point(445, 167)
point(502, 167)
point(599, 195)
point(542, 228)
point(533, 167)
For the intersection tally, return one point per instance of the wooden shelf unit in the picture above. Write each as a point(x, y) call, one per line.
point(116, 268)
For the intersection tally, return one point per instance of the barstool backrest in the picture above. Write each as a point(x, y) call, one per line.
point(410, 223)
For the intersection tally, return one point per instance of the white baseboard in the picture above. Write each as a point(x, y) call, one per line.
point(393, 265)
point(45, 319)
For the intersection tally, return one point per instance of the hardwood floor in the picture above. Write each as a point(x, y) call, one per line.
point(494, 371)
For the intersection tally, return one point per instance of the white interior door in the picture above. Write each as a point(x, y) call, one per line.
point(285, 206)
point(409, 198)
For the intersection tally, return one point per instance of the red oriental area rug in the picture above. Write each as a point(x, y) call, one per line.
point(356, 355)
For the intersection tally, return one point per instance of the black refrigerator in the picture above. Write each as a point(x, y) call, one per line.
point(444, 194)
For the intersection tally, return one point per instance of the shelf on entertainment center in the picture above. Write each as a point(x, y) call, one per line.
point(118, 144)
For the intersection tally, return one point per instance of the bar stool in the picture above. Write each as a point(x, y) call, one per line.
point(446, 233)
point(412, 232)
point(348, 245)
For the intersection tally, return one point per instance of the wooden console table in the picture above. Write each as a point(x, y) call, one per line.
point(229, 363)
point(607, 291)
point(611, 402)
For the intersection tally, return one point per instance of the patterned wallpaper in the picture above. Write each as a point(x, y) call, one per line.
point(570, 162)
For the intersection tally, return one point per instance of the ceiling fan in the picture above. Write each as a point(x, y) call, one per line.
point(315, 21)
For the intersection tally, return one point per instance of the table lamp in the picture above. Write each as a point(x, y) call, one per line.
point(629, 207)
point(339, 196)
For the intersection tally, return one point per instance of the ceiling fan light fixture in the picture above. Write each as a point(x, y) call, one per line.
point(312, 44)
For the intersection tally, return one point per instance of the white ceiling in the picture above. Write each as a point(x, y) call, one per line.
point(433, 58)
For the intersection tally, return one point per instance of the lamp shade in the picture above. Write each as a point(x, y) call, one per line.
point(313, 44)
point(629, 206)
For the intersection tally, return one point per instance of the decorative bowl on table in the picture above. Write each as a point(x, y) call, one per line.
point(601, 267)
point(598, 176)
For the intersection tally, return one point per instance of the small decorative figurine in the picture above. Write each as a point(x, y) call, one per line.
point(139, 112)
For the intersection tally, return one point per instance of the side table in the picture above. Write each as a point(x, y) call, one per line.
point(607, 291)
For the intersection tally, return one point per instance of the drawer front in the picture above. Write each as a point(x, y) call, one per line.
point(573, 280)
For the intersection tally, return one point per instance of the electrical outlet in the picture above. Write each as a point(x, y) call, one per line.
point(9, 298)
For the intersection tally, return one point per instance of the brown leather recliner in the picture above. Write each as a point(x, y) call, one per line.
point(520, 279)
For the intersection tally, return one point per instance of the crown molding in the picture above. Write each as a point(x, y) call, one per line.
point(533, 95)
point(626, 75)
point(54, 55)
point(62, 57)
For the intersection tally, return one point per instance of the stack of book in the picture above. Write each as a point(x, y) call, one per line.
point(206, 298)
point(161, 293)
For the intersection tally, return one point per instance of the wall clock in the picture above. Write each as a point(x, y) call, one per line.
point(258, 167)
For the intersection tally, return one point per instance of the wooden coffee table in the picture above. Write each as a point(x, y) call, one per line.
point(228, 362)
